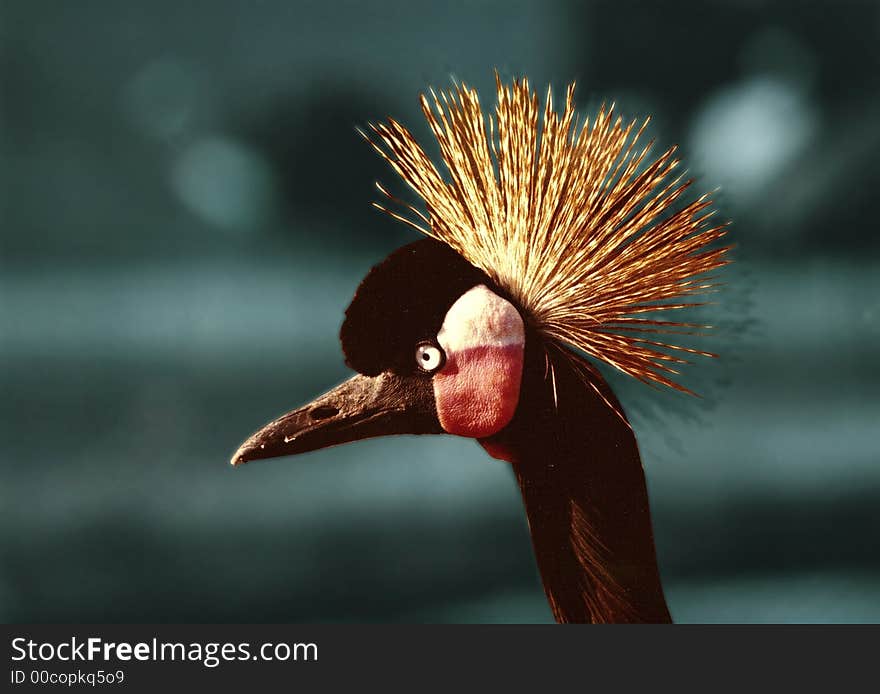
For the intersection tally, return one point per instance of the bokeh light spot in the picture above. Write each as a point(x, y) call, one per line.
point(225, 183)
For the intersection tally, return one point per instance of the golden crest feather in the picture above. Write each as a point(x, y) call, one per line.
point(570, 218)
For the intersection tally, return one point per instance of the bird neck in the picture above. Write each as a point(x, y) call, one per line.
point(582, 483)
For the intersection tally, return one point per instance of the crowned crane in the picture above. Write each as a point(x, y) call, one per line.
point(549, 243)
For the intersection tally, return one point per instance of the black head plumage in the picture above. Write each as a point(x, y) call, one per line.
point(401, 302)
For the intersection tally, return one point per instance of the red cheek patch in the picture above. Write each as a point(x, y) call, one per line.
point(478, 389)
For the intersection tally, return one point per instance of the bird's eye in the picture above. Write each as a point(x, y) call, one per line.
point(429, 356)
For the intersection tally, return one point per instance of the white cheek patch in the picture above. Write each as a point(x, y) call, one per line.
point(477, 390)
point(480, 318)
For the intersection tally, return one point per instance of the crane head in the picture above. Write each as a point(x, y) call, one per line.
point(560, 223)
point(438, 349)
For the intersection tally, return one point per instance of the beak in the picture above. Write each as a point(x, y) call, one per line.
point(360, 408)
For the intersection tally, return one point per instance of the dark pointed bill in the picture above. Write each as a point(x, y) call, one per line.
point(361, 407)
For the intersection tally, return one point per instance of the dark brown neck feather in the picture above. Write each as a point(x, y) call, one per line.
point(578, 467)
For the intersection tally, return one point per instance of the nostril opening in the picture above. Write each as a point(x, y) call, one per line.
point(324, 412)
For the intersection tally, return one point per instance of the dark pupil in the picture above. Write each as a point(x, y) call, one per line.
point(425, 356)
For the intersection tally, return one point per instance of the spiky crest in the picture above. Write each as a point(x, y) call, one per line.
point(576, 223)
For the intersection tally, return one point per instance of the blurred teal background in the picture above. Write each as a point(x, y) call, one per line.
point(185, 217)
